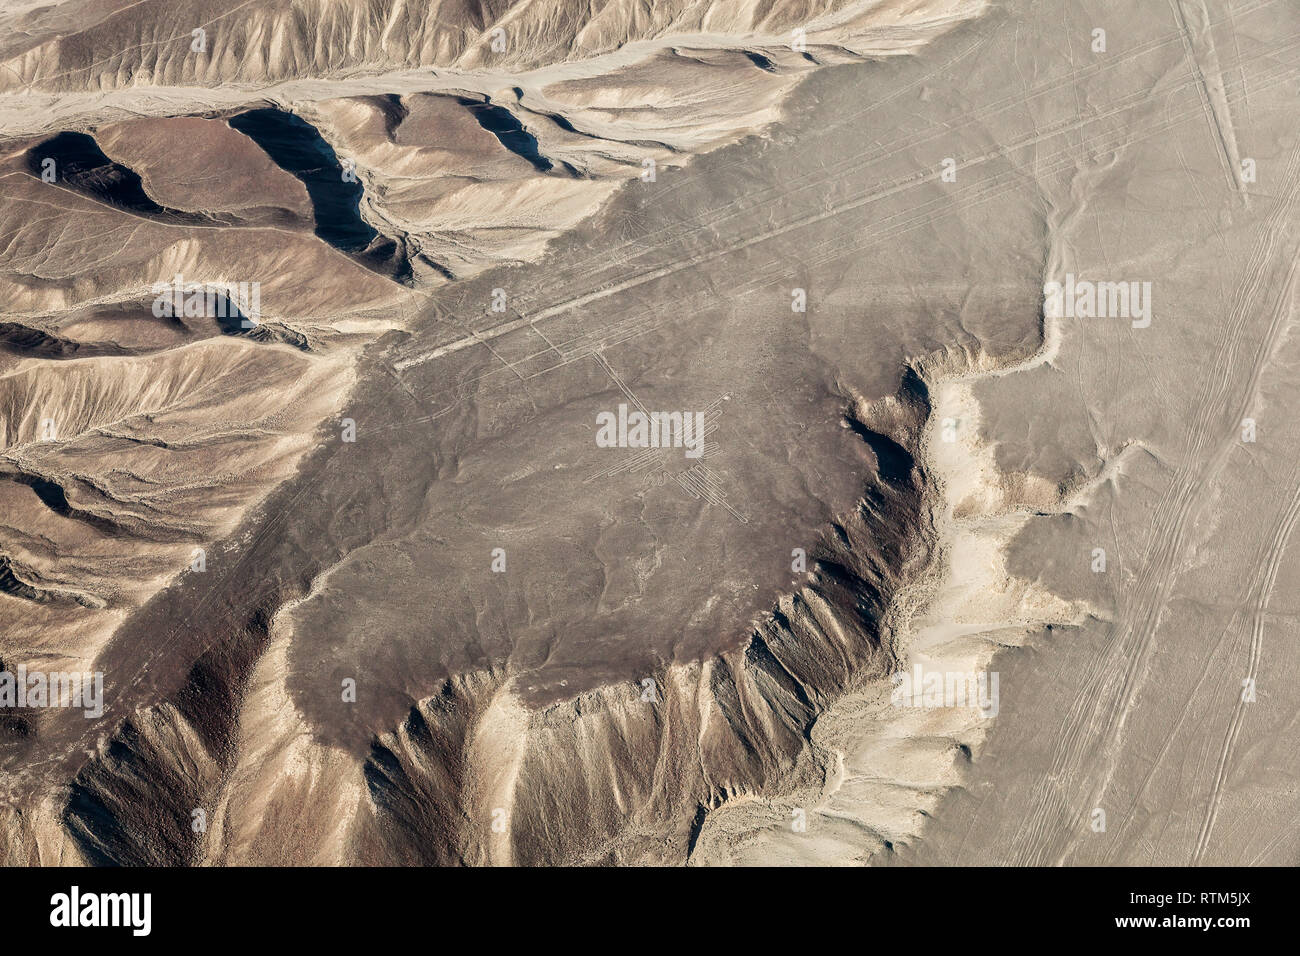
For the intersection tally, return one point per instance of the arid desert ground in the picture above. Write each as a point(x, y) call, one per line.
point(826, 432)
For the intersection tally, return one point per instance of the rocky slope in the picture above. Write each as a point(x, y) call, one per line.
point(376, 170)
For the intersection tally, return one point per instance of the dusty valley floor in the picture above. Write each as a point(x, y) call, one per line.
point(965, 333)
